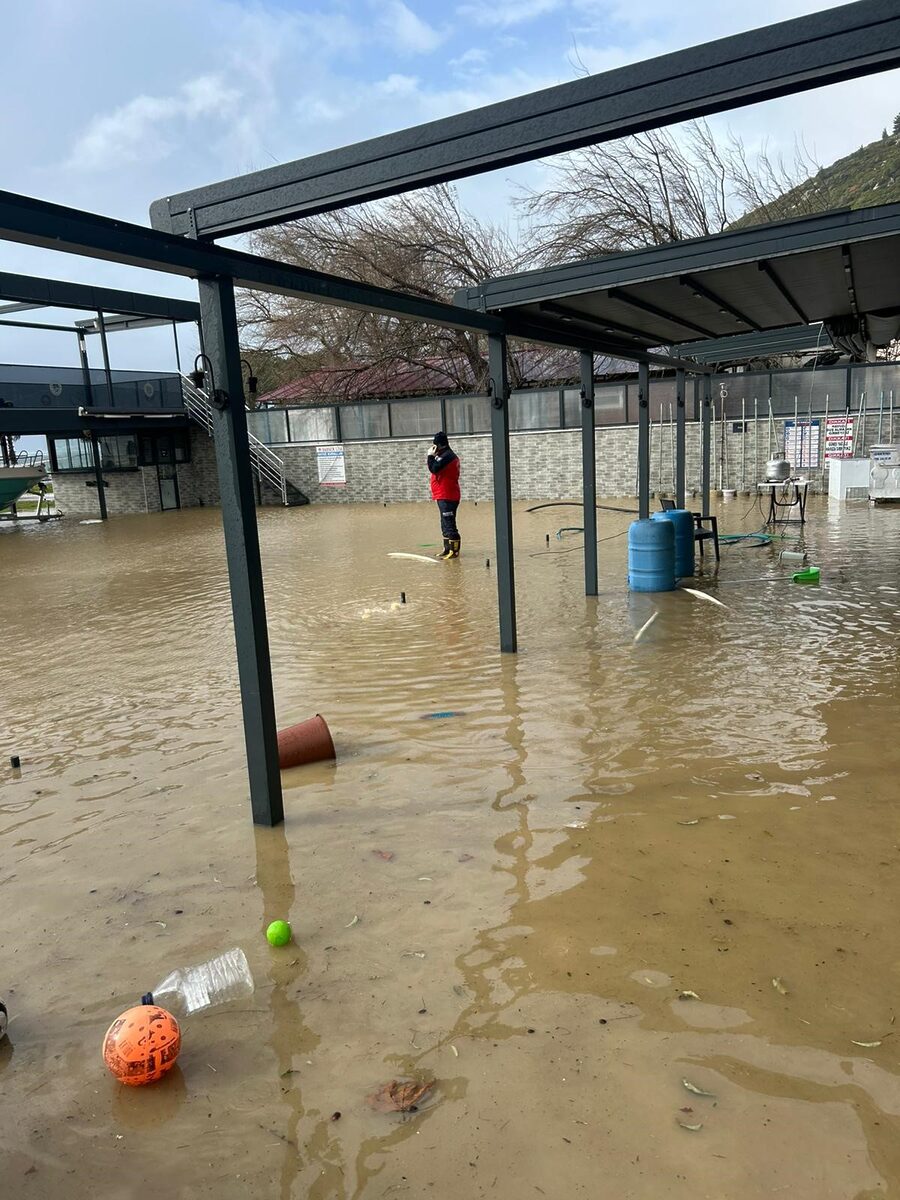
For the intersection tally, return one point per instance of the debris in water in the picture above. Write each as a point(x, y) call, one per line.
point(414, 954)
point(465, 858)
point(384, 855)
point(865, 1045)
point(688, 996)
point(355, 921)
point(399, 1095)
point(643, 629)
point(692, 1128)
point(693, 821)
point(704, 596)
point(696, 1091)
point(778, 985)
point(755, 777)
point(456, 1052)
point(424, 879)
point(335, 1116)
point(460, 991)
point(414, 557)
point(440, 716)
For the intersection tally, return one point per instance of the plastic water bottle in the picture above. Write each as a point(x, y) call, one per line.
point(190, 990)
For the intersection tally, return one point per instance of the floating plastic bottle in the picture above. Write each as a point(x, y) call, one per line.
point(190, 990)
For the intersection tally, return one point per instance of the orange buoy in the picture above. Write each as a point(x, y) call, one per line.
point(308, 742)
point(142, 1045)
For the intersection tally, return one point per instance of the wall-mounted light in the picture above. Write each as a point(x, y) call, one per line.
point(217, 398)
point(252, 380)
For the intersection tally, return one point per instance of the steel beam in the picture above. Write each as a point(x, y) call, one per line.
point(602, 324)
point(705, 443)
point(645, 306)
point(70, 422)
point(107, 370)
point(589, 473)
point(778, 60)
point(98, 477)
point(56, 293)
point(506, 577)
point(643, 446)
point(557, 333)
point(55, 227)
point(772, 275)
point(679, 438)
point(700, 289)
point(85, 370)
point(248, 603)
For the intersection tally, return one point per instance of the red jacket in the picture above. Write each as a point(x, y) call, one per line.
point(444, 470)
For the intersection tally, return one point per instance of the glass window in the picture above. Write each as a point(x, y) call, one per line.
point(808, 387)
point(72, 454)
point(118, 453)
point(415, 418)
point(572, 408)
point(468, 414)
point(312, 425)
point(268, 424)
point(182, 440)
point(534, 410)
point(362, 421)
point(609, 405)
point(875, 382)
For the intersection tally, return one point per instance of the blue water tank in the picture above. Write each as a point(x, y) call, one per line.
point(651, 556)
point(684, 539)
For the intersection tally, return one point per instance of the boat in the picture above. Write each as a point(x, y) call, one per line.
point(15, 480)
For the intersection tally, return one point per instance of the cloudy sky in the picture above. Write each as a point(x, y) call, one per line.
point(108, 105)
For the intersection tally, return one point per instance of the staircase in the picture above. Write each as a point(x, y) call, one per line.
point(267, 466)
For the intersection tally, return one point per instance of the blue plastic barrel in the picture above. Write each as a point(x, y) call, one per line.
point(651, 556)
point(684, 539)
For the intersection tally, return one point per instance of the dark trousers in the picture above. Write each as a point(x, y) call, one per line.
point(447, 509)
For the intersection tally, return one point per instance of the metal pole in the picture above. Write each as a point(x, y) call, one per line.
point(643, 446)
point(105, 348)
point(809, 430)
point(891, 418)
point(229, 420)
point(771, 431)
point(880, 414)
point(705, 432)
point(672, 443)
point(98, 476)
point(755, 441)
point(177, 351)
point(506, 580)
point(589, 473)
point(743, 443)
point(649, 455)
point(85, 369)
point(825, 441)
point(679, 439)
point(713, 453)
point(659, 451)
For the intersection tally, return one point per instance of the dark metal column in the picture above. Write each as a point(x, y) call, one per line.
point(643, 447)
point(589, 472)
point(248, 606)
point(105, 348)
point(705, 446)
point(506, 580)
point(177, 350)
point(679, 439)
point(98, 476)
point(85, 370)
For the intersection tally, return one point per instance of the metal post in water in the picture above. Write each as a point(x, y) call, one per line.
point(643, 448)
point(880, 414)
point(672, 443)
point(679, 439)
point(238, 500)
point(705, 445)
point(506, 582)
point(825, 442)
point(798, 441)
point(714, 456)
point(755, 441)
point(891, 418)
point(743, 443)
point(589, 473)
point(771, 431)
point(98, 476)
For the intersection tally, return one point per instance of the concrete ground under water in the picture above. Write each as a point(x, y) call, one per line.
point(606, 825)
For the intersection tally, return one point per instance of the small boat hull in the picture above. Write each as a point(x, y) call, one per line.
point(15, 481)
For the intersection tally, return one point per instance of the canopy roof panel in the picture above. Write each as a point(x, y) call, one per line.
point(838, 267)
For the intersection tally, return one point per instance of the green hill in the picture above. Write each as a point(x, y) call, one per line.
point(870, 175)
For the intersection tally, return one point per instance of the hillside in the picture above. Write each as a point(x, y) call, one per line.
point(870, 175)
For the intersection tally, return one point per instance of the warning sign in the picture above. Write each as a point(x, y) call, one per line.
point(332, 466)
point(839, 437)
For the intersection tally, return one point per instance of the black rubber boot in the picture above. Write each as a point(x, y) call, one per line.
point(445, 553)
point(455, 544)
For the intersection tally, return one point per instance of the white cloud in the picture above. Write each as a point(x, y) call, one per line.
point(398, 85)
point(471, 60)
point(503, 13)
point(141, 129)
point(405, 31)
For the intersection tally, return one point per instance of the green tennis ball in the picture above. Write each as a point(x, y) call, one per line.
point(279, 933)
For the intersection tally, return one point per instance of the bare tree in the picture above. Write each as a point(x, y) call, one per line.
point(662, 186)
point(424, 243)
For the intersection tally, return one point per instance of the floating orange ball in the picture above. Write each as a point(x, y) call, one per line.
point(142, 1045)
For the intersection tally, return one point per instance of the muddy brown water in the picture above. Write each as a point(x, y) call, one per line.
point(606, 825)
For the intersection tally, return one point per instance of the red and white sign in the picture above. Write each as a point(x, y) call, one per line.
point(839, 437)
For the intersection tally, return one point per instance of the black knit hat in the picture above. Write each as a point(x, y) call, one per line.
point(440, 438)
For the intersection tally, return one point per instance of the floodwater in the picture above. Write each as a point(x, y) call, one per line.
point(603, 826)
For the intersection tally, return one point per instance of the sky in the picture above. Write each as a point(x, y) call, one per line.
point(109, 105)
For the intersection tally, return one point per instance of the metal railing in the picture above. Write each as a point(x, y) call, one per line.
point(35, 459)
point(269, 468)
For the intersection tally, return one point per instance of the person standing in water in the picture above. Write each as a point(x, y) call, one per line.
point(443, 466)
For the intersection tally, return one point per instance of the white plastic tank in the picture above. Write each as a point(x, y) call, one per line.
point(884, 473)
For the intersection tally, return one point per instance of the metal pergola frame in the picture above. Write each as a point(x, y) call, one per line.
point(792, 56)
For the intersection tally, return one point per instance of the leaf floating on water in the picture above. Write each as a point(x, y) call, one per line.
point(355, 921)
point(643, 629)
point(778, 985)
point(696, 1091)
point(399, 1095)
point(704, 596)
point(865, 1045)
point(692, 1128)
point(688, 996)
